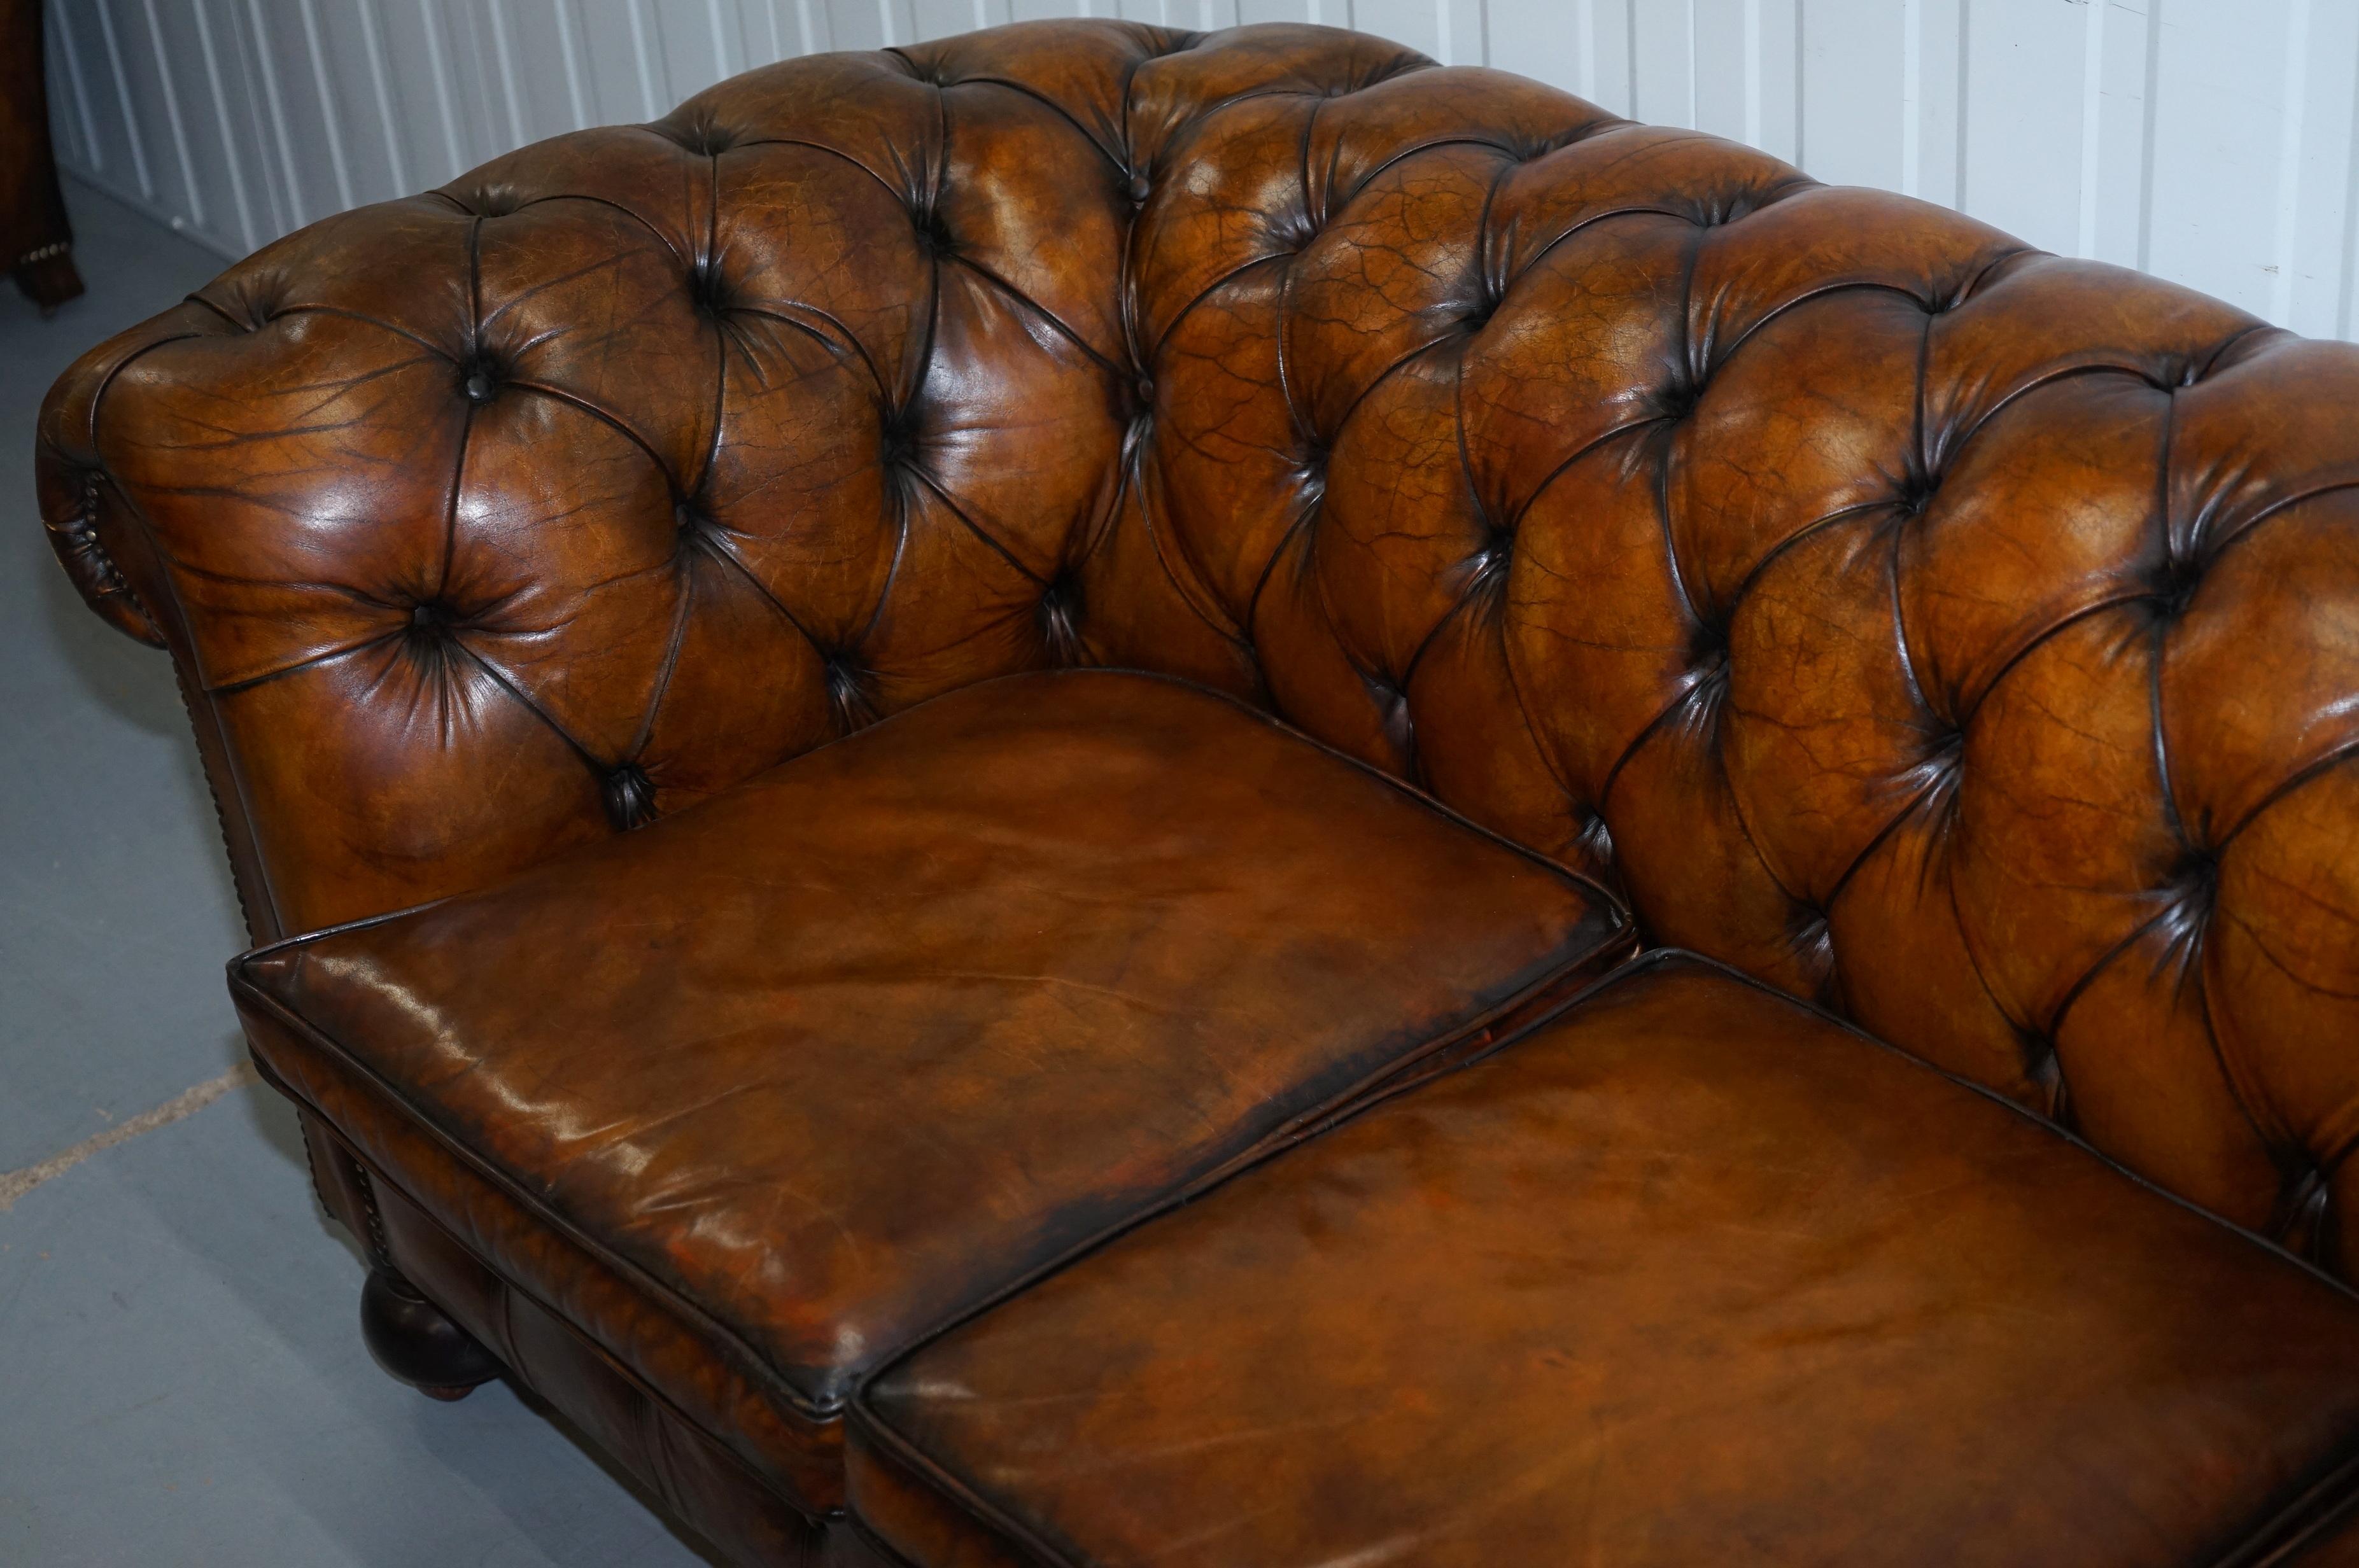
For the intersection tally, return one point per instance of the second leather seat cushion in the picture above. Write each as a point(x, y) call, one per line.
point(857, 1044)
point(1691, 1275)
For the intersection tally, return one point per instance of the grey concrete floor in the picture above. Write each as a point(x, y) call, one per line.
point(182, 1376)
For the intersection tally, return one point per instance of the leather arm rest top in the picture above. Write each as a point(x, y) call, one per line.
point(1962, 637)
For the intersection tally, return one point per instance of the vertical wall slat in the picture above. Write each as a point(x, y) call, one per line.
point(763, 29)
point(646, 45)
point(431, 22)
point(129, 120)
point(2315, 172)
point(944, 18)
point(2323, 248)
point(1752, 68)
point(274, 103)
point(2023, 116)
point(381, 90)
point(2115, 195)
point(1544, 38)
point(2292, 104)
point(130, 62)
point(729, 54)
point(1855, 90)
point(1662, 62)
point(233, 155)
point(79, 84)
point(614, 83)
point(503, 91)
point(2347, 293)
point(2151, 100)
point(1775, 67)
point(330, 117)
point(2213, 219)
point(274, 211)
point(688, 46)
point(2317, 259)
point(195, 213)
point(1416, 23)
point(1724, 87)
point(2093, 114)
point(1963, 104)
point(579, 96)
point(65, 135)
point(201, 197)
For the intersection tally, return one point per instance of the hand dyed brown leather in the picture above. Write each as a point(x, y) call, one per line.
point(1693, 1275)
point(866, 1043)
point(1956, 635)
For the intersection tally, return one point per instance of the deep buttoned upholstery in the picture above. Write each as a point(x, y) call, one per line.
point(1925, 625)
point(1951, 634)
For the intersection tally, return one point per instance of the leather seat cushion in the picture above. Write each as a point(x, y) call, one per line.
point(864, 1042)
point(1692, 1275)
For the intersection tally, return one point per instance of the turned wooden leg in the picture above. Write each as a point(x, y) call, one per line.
point(35, 241)
point(414, 1341)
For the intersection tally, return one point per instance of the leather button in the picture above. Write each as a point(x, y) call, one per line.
point(1060, 618)
point(933, 233)
point(429, 633)
point(898, 440)
point(630, 797)
point(704, 285)
point(847, 694)
point(2174, 586)
point(1139, 190)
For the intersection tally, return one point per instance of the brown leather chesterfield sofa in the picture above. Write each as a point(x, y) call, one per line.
point(939, 768)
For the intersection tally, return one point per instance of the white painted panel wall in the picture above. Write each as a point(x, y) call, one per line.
point(2215, 142)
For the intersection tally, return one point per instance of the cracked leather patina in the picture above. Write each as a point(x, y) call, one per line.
point(1961, 638)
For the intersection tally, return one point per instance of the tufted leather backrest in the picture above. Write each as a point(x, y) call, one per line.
point(1963, 636)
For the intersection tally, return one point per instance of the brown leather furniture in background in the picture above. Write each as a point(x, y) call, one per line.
point(36, 240)
point(1958, 638)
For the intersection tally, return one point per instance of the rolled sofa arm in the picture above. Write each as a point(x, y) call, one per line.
point(72, 482)
point(487, 521)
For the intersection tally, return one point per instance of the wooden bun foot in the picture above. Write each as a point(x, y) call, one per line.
point(415, 1343)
